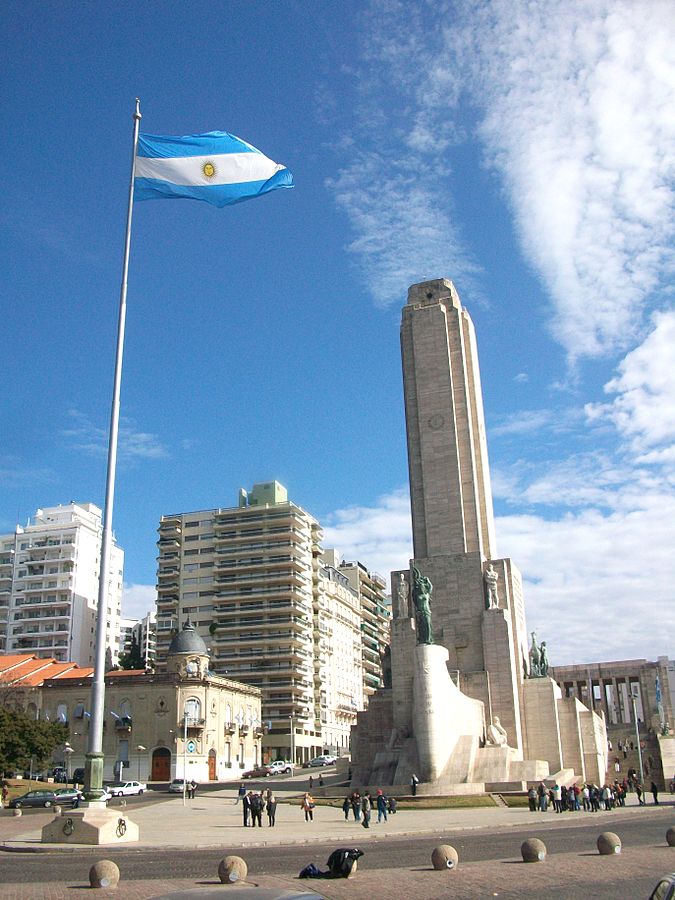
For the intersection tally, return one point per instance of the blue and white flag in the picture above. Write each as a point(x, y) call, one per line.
point(216, 167)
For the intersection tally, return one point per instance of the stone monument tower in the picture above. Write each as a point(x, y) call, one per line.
point(461, 708)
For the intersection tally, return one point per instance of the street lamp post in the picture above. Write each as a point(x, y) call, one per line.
point(292, 741)
point(633, 697)
point(185, 726)
point(140, 749)
point(68, 752)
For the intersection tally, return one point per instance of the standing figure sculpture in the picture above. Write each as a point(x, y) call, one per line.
point(421, 592)
point(543, 660)
point(491, 577)
point(535, 657)
point(402, 595)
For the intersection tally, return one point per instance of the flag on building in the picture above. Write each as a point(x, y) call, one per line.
point(216, 167)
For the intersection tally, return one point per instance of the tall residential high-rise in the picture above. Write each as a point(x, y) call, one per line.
point(49, 576)
point(274, 613)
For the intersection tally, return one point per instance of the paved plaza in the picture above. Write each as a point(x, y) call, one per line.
point(213, 821)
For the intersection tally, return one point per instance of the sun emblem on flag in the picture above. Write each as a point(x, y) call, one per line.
point(209, 169)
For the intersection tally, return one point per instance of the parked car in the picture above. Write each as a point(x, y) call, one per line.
point(325, 760)
point(126, 788)
point(258, 772)
point(281, 767)
point(68, 795)
point(176, 786)
point(34, 798)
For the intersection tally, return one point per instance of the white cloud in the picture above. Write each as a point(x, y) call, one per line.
point(404, 233)
point(88, 438)
point(643, 411)
point(138, 600)
point(581, 126)
point(379, 536)
point(598, 584)
point(576, 107)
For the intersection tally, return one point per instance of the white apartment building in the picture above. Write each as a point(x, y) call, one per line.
point(338, 664)
point(145, 632)
point(273, 614)
point(49, 575)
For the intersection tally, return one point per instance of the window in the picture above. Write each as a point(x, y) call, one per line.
point(193, 709)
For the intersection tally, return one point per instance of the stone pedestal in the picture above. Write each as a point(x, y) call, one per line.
point(441, 713)
point(91, 825)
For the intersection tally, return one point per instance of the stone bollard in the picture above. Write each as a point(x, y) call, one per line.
point(17, 812)
point(444, 857)
point(57, 811)
point(232, 870)
point(670, 837)
point(104, 874)
point(608, 843)
point(533, 850)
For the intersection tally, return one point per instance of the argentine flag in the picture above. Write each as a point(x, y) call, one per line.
point(216, 167)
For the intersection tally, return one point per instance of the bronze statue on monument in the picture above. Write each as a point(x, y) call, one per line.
point(421, 592)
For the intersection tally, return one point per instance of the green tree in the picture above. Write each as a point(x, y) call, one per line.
point(134, 659)
point(22, 738)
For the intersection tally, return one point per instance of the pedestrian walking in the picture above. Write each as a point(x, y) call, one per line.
point(271, 806)
point(655, 792)
point(246, 807)
point(307, 804)
point(346, 806)
point(256, 810)
point(365, 810)
point(638, 791)
point(311, 782)
point(192, 789)
point(356, 805)
point(320, 780)
point(414, 781)
point(241, 793)
point(381, 807)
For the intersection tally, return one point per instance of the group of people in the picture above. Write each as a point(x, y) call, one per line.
point(254, 804)
point(587, 797)
point(361, 806)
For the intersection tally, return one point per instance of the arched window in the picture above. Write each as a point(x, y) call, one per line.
point(125, 709)
point(193, 710)
point(228, 714)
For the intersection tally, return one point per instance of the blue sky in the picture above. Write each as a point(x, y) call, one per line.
point(524, 150)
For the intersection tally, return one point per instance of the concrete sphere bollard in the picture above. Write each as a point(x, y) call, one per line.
point(444, 857)
point(608, 843)
point(57, 811)
point(670, 837)
point(232, 870)
point(104, 874)
point(533, 850)
point(17, 812)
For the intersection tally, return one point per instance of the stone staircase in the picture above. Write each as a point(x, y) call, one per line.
point(651, 759)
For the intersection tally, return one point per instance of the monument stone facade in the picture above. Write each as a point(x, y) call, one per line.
point(466, 710)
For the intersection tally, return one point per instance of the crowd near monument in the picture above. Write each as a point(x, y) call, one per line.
point(469, 705)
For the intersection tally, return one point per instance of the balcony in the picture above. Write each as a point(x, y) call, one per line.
point(193, 723)
point(123, 725)
point(230, 728)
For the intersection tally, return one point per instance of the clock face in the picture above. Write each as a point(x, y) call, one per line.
point(436, 422)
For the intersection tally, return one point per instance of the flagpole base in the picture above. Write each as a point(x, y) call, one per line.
point(93, 825)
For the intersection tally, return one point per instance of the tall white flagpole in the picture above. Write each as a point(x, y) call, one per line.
point(93, 778)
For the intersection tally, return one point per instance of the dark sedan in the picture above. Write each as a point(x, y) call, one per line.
point(258, 772)
point(34, 798)
point(68, 795)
